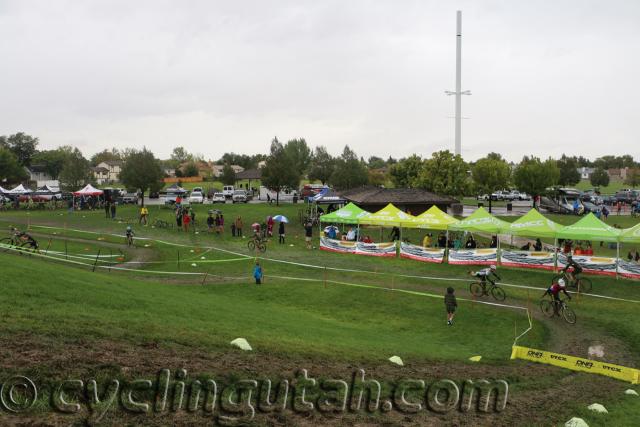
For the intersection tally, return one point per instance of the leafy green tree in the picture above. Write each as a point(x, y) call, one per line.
point(279, 172)
point(228, 176)
point(105, 156)
point(190, 169)
point(76, 172)
point(534, 176)
point(10, 169)
point(350, 172)
point(53, 160)
point(141, 171)
point(404, 173)
point(322, 165)
point(375, 162)
point(377, 178)
point(569, 174)
point(23, 146)
point(491, 173)
point(599, 178)
point(300, 154)
point(180, 155)
point(444, 173)
point(633, 177)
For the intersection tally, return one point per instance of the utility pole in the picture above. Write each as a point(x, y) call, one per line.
point(458, 92)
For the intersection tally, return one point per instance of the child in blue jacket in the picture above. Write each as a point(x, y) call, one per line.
point(258, 273)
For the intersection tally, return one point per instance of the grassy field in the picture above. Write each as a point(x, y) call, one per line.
point(61, 319)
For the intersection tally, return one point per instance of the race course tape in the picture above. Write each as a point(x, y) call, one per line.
point(577, 364)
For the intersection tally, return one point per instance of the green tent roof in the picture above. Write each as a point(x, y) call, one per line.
point(481, 221)
point(389, 216)
point(534, 224)
point(590, 228)
point(349, 214)
point(631, 235)
point(434, 219)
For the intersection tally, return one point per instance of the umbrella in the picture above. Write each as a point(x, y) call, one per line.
point(255, 225)
point(281, 218)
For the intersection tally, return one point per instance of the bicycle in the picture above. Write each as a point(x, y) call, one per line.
point(582, 284)
point(129, 240)
point(551, 307)
point(257, 243)
point(479, 288)
point(19, 243)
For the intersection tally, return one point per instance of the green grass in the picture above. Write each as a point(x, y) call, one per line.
point(614, 185)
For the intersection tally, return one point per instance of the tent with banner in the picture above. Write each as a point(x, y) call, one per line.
point(533, 224)
point(480, 221)
point(389, 216)
point(590, 228)
point(19, 190)
point(631, 235)
point(434, 219)
point(350, 214)
point(88, 190)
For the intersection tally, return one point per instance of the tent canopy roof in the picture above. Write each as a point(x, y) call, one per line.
point(19, 190)
point(435, 219)
point(534, 224)
point(590, 228)
point(389, 216)
point(88, 190)
point(631, 235)
point(350, 214)
point(481, 221)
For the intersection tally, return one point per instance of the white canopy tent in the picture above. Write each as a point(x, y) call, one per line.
point(19, 190)
point(88, 190)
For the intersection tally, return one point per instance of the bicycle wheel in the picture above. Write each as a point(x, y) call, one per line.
point(6, 244)
point(476, 289)
point(498, 293)
point(547, 307)
point(583, 284)
point(251, 245)
point(29, 247)
point(262, 247)
point(568, 315)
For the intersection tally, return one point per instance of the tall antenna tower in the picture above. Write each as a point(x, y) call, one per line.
point(458, 92)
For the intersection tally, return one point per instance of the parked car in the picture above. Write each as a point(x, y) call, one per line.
point(482, 197)
point(239, 196)
point(218, 198)
point(196, 197)
point(228, 190)
point(130, 198)
point(154, 195)
point(499, 195)
point(525, 196)
point(627, 195)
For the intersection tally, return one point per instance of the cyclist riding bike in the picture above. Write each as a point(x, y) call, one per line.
point(577, 269)
point(554, 290)
point(21, 236)
point(485, 275)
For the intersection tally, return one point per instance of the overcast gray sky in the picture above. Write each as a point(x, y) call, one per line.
point(547, 76)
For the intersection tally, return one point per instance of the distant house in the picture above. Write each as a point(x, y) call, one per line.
point(618, 174)
point(113, 168)
point(100, 174)
point(585, 172)
point(38, 174)
point(217, 169)
point(204, 168)
point(249, 175)
point(169, 172)
point(410, 200)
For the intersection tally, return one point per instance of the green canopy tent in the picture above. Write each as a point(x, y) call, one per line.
point(389, 216)
point(631, 235)
point(434, 219)
point(534, 224)
point(480, 221)
point(350, 214)
point(590, 228)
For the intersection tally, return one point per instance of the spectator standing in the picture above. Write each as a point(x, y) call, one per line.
point(179, 217)
point(239, 226)
point(270, 223)
point(308, 234)
point(281, 233)
point(186, 221)
point(258, 273)
point(144, 215)
point(210, 222)
point(113, 209)
point(221, 224)
point(107, 206)
point(450, 304)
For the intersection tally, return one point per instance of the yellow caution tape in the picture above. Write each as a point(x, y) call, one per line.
point(577, 364)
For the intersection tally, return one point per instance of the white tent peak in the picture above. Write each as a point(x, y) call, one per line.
point(88, 190)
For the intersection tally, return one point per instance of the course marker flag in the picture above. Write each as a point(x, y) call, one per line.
point(577, 363)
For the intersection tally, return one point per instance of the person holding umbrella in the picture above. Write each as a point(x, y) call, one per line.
point(282, 220)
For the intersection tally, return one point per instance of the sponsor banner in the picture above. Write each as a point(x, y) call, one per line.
point(527, 259)
point(473, 256)
point(629, 269)
point(337, 245)
point(577, 364)
point(591, 264)
point(419, 253)
point(376, 249)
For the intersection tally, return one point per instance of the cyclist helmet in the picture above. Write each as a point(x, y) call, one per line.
point(493, 267)
point(128, 228)
point(561, 283)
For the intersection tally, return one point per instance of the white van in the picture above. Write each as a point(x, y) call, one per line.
point(228, 190)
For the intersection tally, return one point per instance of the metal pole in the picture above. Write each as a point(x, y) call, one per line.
point(617, 258)
point(96, 262)
point(458, 118)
